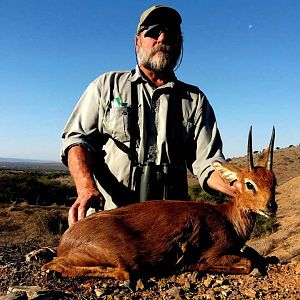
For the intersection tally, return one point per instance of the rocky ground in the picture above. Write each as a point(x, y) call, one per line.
point(25, 280)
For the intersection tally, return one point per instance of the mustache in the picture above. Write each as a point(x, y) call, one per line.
point(162, 48)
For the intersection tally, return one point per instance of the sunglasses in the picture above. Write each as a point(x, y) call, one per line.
point(154, 31)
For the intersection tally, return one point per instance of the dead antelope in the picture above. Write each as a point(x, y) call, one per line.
point(155, 237)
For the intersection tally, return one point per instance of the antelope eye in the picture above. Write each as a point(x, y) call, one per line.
point(250, 186)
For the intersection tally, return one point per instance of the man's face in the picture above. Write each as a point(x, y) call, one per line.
point(158, 49)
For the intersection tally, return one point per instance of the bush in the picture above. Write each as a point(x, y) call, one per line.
point(198, 194)
point(264, 226)
point(35, 188)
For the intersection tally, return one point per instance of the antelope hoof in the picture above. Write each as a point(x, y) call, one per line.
point(257, 273)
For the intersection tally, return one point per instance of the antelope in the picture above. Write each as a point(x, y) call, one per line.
point(158, 236)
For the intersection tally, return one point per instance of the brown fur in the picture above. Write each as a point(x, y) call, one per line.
point(155, 237)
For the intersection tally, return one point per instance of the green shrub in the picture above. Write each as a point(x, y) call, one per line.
point(264, 226)
point(198, 194)
point(36, 188)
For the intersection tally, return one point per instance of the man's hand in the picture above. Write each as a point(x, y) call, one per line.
point(80, 165)
point(216, 183)
point(86, 198)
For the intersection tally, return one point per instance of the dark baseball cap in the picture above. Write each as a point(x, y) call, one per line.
point(159, 14)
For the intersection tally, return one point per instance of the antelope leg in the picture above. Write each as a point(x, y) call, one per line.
point(64, 266)
point(227, 264)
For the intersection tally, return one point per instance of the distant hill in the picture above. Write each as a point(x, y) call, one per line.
point(30, 164)
point(24, 160)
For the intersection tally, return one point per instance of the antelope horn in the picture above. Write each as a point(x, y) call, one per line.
point(269, 162)
point(250, 152)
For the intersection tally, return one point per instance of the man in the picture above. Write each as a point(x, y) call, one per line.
point(133, 135)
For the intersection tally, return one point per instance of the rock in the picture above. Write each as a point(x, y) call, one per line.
point(140, 285)
point(211, 295)
point(236, 283)
point(208, 282)
point(187, 285)
point(31, 291)
point(295, 265)
point(174, 293)
point(217, 283)
point(194, 277)
point(99, 292)
point(15, 296)
point(256, 273)
point(249, 293)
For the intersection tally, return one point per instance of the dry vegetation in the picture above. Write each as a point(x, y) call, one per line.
point(27, 224)
point(38, 226)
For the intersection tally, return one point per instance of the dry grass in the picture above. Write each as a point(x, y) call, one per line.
point(21, 224)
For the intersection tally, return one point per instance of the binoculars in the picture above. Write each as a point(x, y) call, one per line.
point(160, 182)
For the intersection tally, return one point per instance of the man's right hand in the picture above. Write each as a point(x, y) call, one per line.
point(80, 164)
point(86, 199)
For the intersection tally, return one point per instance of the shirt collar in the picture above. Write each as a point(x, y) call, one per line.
point(137, 74)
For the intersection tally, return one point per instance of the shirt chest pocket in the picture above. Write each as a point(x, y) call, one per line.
point(116, 123)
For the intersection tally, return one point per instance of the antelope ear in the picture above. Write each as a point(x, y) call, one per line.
point(227, 171)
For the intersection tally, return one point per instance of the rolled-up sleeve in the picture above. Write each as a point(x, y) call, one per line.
point(83, 126)
point(208, 142)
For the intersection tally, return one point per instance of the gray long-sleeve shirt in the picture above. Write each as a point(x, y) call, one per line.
point(175, 125)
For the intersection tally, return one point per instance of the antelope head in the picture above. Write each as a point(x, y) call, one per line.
point(257, 182)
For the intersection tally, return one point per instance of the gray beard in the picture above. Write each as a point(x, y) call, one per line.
point(160, 58)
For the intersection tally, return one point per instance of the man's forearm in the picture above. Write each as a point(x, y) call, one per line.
point(80, 166)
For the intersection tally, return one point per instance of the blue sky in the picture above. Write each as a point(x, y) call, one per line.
point(244, 55)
